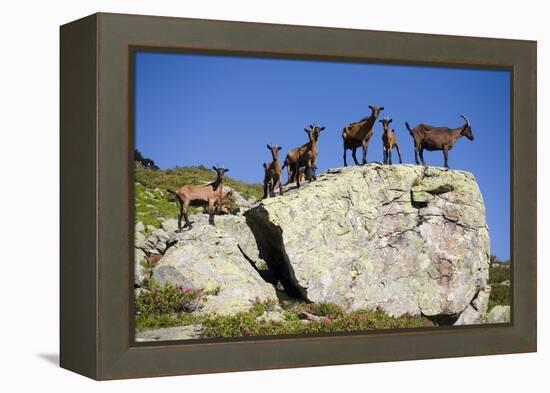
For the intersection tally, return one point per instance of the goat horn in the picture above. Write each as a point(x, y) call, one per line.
point(466, 119)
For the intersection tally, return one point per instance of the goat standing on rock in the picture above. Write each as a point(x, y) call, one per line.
point(389, 141)
point(273, 173)
point(304, 156)
point(359, 134)
point(437, 138)
point(211, 193)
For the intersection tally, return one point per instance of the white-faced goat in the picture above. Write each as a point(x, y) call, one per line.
point(358, 134)
point(438, 138)
point(304, 156)
point(273, 173)
point(210, 194)
point(389, 141)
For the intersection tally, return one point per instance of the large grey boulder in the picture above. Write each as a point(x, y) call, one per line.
point(402, 238)
point(213, 258)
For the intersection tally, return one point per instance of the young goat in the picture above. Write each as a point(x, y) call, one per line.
point(389, 141)
point(211, 194)
point(273, 172)
point(304, 156)
point(438, 138)
point(221, 207)
point(359, 134)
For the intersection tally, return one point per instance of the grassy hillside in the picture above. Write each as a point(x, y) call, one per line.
point(153, 202)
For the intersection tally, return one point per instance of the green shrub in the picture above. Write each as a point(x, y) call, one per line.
point(500, 296)
point(498, 274)
point(167, 300)
point(335, 320)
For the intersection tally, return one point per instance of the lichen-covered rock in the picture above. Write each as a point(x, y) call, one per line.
point(476, 311)
point(403, 238)
point(499, 314)
point(140, 273)
point(172, 333)
point(211, 258)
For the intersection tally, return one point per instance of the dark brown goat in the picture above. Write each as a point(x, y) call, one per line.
point(358, 134)
point(389, 141)
point(304, 156)
point(273, 173)
point(211, 194)
point(438, 138)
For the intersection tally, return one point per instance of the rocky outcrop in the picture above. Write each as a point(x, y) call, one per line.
point(499, 314)
point(219, 259)
point(402, 238)
point(476, 311)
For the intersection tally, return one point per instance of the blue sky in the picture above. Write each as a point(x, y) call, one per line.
point(199, 109)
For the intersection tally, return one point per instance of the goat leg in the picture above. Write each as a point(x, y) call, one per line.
point(446, 156)
point(180, 215)
point(398, 153)
point(421, 153)
point(389, 156)
point(211, 212)
point(353, 152)
point(345, 150)
point(297, 174)
point(365, 149)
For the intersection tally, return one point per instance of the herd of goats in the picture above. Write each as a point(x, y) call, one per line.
point(301, 161)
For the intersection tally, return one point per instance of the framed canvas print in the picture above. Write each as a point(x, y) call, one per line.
point(240, 196)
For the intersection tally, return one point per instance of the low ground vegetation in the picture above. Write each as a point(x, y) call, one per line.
point(499, 273)
point(171, 306)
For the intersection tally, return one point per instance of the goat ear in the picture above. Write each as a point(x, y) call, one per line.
point(268, 147)
point(390, 121)
point(381, 108)
point(370, 106)
point(321, 129)
point(279, 148)
point(306, 130)
point(226, 170)
point(216, 169)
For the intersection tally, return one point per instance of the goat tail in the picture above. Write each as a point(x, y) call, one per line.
point(409, 128)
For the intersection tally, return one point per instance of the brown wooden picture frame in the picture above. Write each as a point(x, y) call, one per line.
point(97, 195)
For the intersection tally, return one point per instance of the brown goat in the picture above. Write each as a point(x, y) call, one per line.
point(211, 194)
point(438, 138)
point(221, 207)
point(304, 156)
point(273, 172)
point(358, 134)
point(389, 141)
